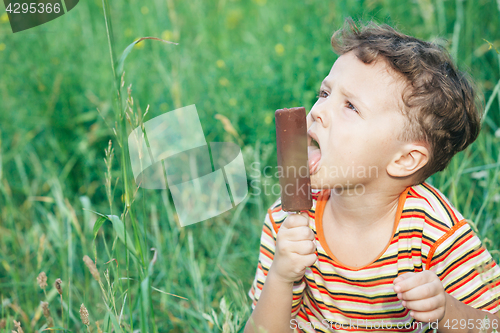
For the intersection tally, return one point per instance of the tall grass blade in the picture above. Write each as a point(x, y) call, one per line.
point(129, 48)
point(116, 326)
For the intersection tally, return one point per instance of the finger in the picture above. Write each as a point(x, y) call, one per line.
point(304, 247)
point(300, 233)
point(423, 291)
point(415, 279)
point(403, 277)
point(428, 316)
point(310, 259)
point(425, 305)
point(296, 220)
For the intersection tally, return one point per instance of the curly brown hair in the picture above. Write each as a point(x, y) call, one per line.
point(440, 102)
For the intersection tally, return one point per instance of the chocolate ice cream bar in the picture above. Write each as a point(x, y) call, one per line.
point(293, 167)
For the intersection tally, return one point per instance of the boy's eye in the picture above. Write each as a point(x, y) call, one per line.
point(322, 93)
point(352, 107)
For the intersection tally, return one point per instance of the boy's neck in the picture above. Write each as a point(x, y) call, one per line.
point(357, 213)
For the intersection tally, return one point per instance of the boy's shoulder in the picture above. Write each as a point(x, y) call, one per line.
point(442, 230)
point(427, 202)
point(446, 236)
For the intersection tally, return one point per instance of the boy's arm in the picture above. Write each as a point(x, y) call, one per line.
point(273, 310)
point(423, 295)
point(460, 279)
point(283, 260)
point(462, 318)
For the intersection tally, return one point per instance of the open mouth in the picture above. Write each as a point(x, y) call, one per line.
point(314, 154)
point(315, 143)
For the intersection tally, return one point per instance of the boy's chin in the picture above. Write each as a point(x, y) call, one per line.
point(318, 183)
point(326, 183)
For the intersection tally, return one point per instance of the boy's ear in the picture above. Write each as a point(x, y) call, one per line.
point(409, 160)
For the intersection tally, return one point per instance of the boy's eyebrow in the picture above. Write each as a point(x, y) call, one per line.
point(357, 101)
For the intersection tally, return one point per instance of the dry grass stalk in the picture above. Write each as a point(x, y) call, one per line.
point(98, 328)
point(57, 284)
point(108, 160)
point(84, 315)
point(3, 323)
point(92, 268)
point(41, 249)
point(106, 275)
point(42, 280)
point(46, 314)
point(18, 327)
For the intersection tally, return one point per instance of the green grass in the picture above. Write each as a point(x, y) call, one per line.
point(240, 59)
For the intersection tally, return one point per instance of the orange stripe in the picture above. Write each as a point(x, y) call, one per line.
point(276, 209)
point(473, 297)
point(421, 215)
point(462, 259)
point(267, 253)
point(320, 207)
point(462, 283)
point(415, 194)
point(267, 231)
point(434, 224)
point(441, 240)
point(275, 227)
point(448, 208)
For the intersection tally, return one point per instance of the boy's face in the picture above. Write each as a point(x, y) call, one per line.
point(356, 121)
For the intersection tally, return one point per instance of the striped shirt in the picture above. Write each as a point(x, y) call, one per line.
point(428, 234)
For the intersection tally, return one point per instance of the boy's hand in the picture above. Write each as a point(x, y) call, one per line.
point(295, 248)
point(423, 294)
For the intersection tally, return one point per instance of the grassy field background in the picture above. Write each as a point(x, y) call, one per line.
point(238, 61)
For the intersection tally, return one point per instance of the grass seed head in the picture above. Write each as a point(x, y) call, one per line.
point(42, 280)
point(57, 284)
point(3, 323)
point(84, 315)
point(92, 268)
point(46, 314)
point(106, 274)
point(18, 327)
point(46, 310)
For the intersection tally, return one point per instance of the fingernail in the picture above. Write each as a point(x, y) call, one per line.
point(404, 304)
point(397, 289)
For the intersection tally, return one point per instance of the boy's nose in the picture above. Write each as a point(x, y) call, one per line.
point(317, 114)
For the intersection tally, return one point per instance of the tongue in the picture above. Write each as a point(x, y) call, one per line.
point(314, 155)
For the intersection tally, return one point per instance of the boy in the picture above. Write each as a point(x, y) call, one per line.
point(380, 250)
